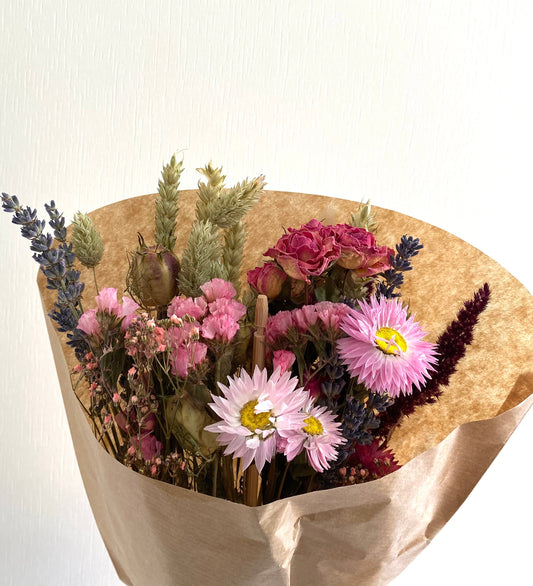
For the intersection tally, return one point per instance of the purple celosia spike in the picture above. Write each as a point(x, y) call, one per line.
point(451, 347)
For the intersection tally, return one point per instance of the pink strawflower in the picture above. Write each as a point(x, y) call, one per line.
point(384, 348)
point(283, 359)
point(253, 411)
point(316, 432)
point(217, 289)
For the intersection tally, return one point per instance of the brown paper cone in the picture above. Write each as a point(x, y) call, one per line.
point(158, 534)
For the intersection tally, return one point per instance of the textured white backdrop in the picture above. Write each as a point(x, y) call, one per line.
point(425, 107)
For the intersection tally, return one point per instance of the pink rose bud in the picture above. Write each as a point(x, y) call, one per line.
point(306, 251)
point(267, 280)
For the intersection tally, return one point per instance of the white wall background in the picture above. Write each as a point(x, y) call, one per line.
point(425, 107)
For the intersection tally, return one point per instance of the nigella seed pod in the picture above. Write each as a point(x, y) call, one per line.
point(152, 278)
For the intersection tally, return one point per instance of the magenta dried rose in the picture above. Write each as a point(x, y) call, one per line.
point(360, 252)
point(267, 279)
point(307, 251)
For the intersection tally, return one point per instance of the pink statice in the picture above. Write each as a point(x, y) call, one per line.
point(225, 306)
point(186, 351)
point(304, 317)
point(107, 304)
point(107, 301)
point(253, 411)
point(331, 314)
point(181, 306)
point(220, 327)
point(385, 348)
point(315, 431)
point(88, 323)
point(218, 289)
point(185, 357)
point(283, 359)
point(129, 307)
point(278, 325)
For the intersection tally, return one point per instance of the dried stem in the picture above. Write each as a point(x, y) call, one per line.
point(252, 478)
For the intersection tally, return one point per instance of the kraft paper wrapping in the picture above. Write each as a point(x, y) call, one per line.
point(161, 534)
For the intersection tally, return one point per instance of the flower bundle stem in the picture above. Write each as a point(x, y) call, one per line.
point(251, 478)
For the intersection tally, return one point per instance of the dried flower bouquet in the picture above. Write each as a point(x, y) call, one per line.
point(188, 382)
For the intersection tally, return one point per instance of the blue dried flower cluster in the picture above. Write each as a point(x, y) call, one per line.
point(56, 262)
point(405, 250)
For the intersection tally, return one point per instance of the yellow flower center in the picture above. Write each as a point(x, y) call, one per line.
point(313, 427)
point(252, 420)
point(390, 341)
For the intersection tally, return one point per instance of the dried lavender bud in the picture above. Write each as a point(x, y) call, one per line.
point(405, 250)
point(55, 263)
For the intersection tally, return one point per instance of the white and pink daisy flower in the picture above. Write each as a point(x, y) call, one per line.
point(253, 411)
point(316, 432)
point(384, 348)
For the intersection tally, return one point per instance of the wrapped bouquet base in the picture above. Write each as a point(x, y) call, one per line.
point(368, 533)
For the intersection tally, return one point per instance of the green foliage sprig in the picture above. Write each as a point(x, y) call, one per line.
point(86, 241)
point(166, 206)
point(201, 260)
point(364, 218)
point(233, 251)
point(216, 244)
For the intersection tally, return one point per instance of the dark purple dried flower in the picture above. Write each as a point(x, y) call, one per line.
point(451, 347)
